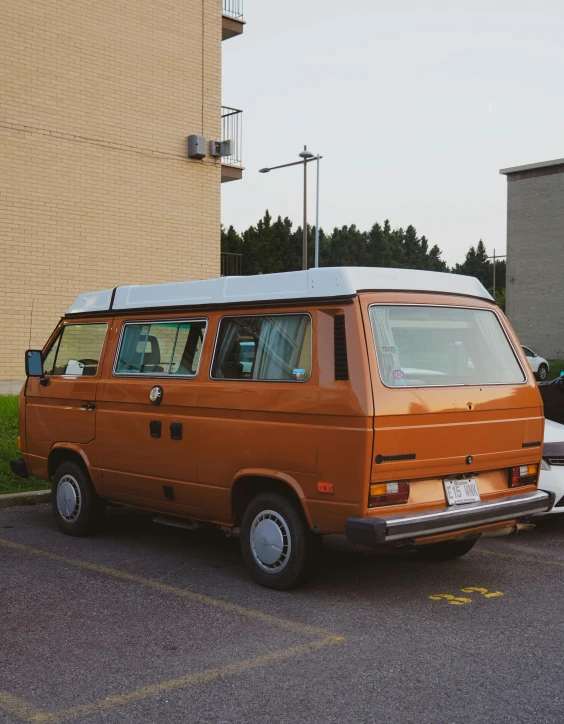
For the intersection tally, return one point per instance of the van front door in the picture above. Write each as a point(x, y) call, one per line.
point(63, 408)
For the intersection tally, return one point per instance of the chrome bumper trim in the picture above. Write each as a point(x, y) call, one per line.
point(371, 531)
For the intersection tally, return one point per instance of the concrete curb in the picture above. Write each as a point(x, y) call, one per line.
point(34, 497)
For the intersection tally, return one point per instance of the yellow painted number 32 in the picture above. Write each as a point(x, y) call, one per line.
point(461, 600)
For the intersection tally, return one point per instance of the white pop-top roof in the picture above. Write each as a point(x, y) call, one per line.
point(325, 282)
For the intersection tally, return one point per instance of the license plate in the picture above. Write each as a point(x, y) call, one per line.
point(463, 491)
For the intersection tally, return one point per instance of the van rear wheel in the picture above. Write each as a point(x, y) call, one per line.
point(277, 546)
point(446, 550)
point(77, 507)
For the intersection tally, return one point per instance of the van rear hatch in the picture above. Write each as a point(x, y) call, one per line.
point(456, 408)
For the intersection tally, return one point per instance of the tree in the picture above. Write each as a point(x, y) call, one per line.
point(477, 264)
point(275, 246)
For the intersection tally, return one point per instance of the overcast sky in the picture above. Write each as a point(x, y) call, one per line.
point(414, 105)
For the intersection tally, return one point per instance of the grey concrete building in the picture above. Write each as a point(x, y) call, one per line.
point(535, 255)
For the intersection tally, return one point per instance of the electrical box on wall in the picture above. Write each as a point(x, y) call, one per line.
point(220, 148)
point(196, 147)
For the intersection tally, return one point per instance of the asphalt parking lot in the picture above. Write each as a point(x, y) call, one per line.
point(150, 624)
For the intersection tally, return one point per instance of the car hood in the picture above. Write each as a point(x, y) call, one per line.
point(553, 431)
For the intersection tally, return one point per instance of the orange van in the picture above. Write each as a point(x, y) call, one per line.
point(394, 406)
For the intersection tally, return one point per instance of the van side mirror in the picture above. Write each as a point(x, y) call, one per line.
point(34, 365)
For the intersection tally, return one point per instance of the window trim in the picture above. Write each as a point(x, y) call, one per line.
point(262, 314)
point(57, 341)
point(158, 375)
point(525, 381)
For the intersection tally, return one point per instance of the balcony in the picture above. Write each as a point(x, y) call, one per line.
point(231, 264)
point(232, 22)
point(232, 131)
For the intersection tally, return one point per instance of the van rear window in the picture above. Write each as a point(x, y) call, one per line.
point(424, 346)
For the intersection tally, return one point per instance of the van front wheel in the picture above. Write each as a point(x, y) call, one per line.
point(77, 507)
point(446, 550)
point(277, 546)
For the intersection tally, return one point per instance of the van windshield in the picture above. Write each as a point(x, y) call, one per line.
point(423, 346)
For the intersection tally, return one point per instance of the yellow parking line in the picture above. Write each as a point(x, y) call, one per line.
point(182, 592)
point(201, 677)
point(18, 708)
point(28, 713)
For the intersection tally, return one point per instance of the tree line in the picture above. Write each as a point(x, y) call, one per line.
point(276, 246)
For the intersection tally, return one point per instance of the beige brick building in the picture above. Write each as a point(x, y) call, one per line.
point(97, 99)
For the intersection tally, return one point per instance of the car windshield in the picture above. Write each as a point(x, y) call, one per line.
point(420, 346)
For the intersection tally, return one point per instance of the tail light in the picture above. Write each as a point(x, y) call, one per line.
point(523, 475)
point(388, 493)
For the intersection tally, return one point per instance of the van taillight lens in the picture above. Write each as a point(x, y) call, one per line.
point(389, 493)
point(523, 475)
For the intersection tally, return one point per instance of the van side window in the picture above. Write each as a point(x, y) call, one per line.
point(76, 350)
point(275, 347)
point(161, 348)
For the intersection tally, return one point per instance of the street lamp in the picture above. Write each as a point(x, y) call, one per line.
point(306, 157)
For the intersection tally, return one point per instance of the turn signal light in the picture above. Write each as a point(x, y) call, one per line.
point(523, 475)
point(389, 493)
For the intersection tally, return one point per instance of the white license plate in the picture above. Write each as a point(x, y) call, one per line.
point(463, 491)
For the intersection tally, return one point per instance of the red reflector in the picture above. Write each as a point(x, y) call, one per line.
point(325, 488)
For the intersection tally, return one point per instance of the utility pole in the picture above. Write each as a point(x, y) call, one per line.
point(494, 257)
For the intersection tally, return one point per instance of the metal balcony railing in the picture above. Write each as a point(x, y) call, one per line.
point(232, 130)
point(233, 9)
point(231, 264)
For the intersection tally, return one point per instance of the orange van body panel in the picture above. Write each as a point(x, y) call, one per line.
point(299, 433)
point(55, 413)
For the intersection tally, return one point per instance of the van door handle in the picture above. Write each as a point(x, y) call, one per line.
point(89, 405)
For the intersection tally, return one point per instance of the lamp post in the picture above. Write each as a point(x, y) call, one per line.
point(307, 157)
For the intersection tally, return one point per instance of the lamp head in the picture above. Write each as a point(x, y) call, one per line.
point(306, 154)
point(264, 170)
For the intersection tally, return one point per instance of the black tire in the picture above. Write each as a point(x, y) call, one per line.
point(447, 550)
point(542, 372)
point(299, 545)
point(72, 485)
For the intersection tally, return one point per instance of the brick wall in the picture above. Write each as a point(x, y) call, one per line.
point(96, 102)
point(535, 262)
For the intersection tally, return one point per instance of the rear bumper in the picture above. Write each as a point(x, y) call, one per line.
point(372, 531)
point(17, 466)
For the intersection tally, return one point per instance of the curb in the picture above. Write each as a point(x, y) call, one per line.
point(34, 497)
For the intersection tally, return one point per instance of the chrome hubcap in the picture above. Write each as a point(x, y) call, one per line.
point(69, 500)
point(271, 543)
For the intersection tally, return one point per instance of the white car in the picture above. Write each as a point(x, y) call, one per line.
point(552, 468)
point(538, 364)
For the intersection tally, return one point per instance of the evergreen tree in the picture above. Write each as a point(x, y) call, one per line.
point(275, 246)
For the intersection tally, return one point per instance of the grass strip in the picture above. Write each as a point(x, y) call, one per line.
point(10, 483)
